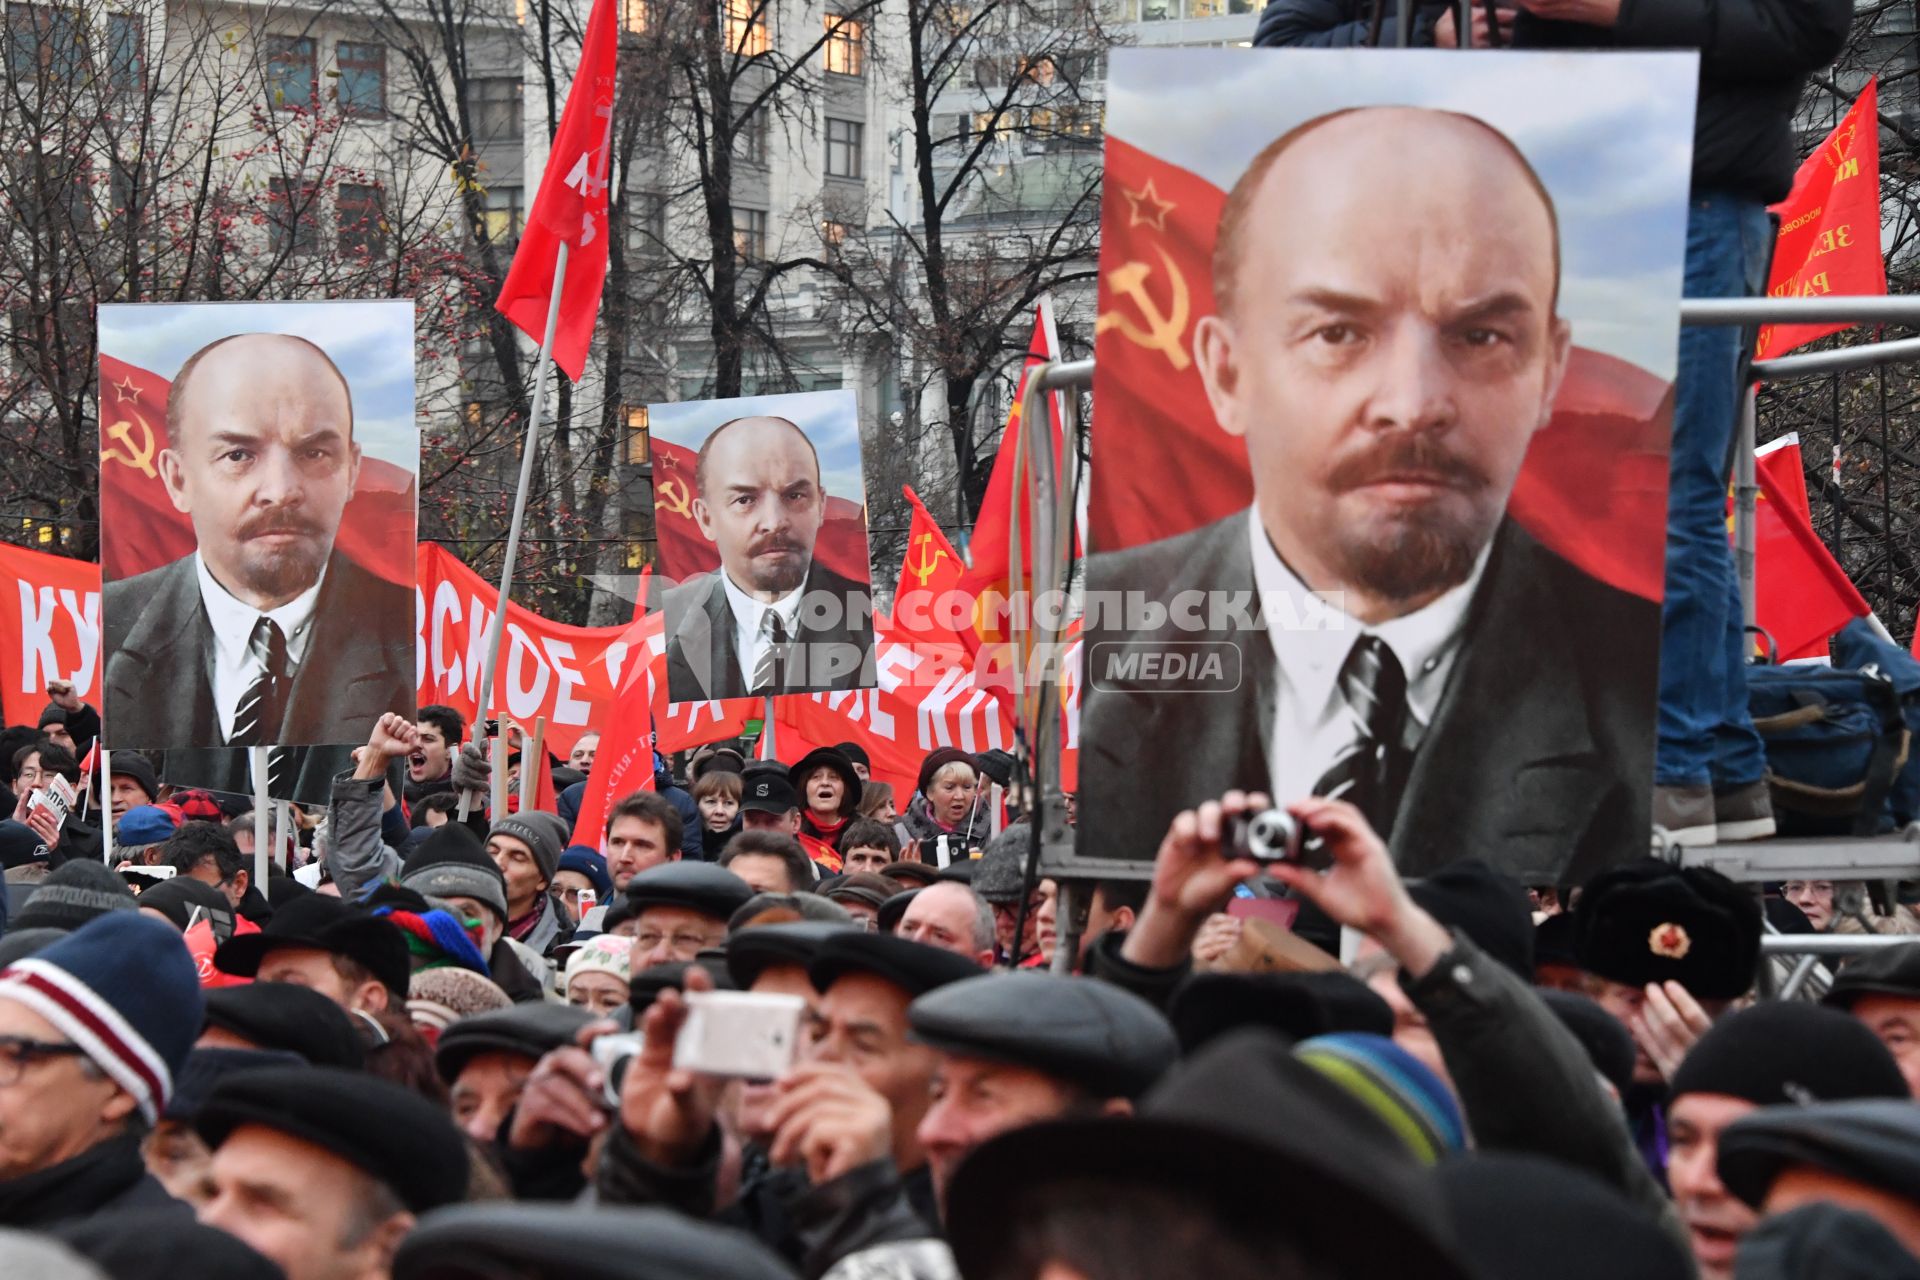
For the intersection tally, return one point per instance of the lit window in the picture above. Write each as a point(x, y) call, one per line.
point(639, 437)
point(750, 234)
point(746, 28)
point(844, 44)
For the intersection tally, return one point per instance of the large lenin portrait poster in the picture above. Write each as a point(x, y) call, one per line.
point(1382, 402)
point(259, 468)
point(760, 507)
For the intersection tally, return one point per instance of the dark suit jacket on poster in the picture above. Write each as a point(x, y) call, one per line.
point(702, 664)
point(1539, 758)
point(159, 646)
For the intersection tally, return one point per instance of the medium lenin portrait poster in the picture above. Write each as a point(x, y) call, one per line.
point(760, 510)
point(1384, 367)
point(258, 477)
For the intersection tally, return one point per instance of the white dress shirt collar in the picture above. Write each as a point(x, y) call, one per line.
point(747, 614)
point(1311, 635)
point(233, 620)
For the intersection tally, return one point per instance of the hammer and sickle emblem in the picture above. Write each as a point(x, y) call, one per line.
point(1164, 328)
point(138, 454)
point(673, 496)
point(930, 558)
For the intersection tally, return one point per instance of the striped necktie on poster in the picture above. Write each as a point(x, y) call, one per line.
point(258, 716)
point(1371, 772)
point(767, 672)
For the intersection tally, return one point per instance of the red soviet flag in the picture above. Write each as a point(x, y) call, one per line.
point(571, 209)
point(1830, 225)
point(930, 607)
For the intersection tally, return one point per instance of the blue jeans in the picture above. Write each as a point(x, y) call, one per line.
point(1706, 731)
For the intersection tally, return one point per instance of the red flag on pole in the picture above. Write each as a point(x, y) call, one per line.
point(570, 210)
point(930, 606)
point(1802, 596)
point(1830, 225)
point(989, 551)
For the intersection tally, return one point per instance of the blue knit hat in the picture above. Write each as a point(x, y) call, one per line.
point(1393, 1084)
point(587, 862)
point(124, 989)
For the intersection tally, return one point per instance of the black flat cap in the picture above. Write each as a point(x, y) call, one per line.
point(647, 984)
point(1263, 1140)
point(911, 874)
point(283, 1015)
point(697, 886)
point(1650, 921)
point(389, 1132)
point(894, 910)
point(527, 1029)
point(1523, 1217)
point(204, 1069)
point(1782, 1052)
point(561, 1242)
point(1874, 1142)
point(1823, 1242)
point(751, 952)
point(323, 923)
point(1299, 1006)
point(912, 966)
point(162, 1244)
point(1885, 971)
point(1086, 1032)
point(767, 793)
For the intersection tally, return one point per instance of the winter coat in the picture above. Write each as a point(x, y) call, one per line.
point(109, 1177)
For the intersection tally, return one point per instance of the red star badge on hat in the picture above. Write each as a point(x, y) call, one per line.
point(1669, 941)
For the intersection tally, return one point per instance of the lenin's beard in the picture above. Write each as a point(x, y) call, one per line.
point(282, 568)
point(777, 574)
point(1413, 550)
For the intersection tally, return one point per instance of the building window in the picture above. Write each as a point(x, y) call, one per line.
point(506, 215)
point(834, 233)
point(639, 441)
point(844, 139)
point(363, 79)
point(750, 233)
point(1159, 10)
point(290, 70)
point(636, 15)
point(646, 223)
point(994, 123)
point(290, 222)
point(1206, 8)
point(44, 42)
point(750, 138)
point(746, 27)
point(361, 219)
point(126, 53)
point(493, 107)
point(845, 38)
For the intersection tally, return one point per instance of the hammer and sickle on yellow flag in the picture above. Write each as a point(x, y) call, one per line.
point(930, 558)
point(139, 452)
point(674, 498)
point(1164, 328)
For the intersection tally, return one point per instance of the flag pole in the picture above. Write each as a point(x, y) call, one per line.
point(497, 627)
point(105, 780)
point(768, 746)
point(262, 816)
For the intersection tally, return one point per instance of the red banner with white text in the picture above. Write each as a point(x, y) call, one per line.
point(49, 629)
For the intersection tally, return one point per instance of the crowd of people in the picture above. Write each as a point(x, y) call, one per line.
point(430, 1046)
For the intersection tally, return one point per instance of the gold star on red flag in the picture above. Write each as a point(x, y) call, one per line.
point(124, 390)
point(1145, 205)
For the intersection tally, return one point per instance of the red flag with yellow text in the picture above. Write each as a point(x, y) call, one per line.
point(1830, 225)
point(570, 209)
